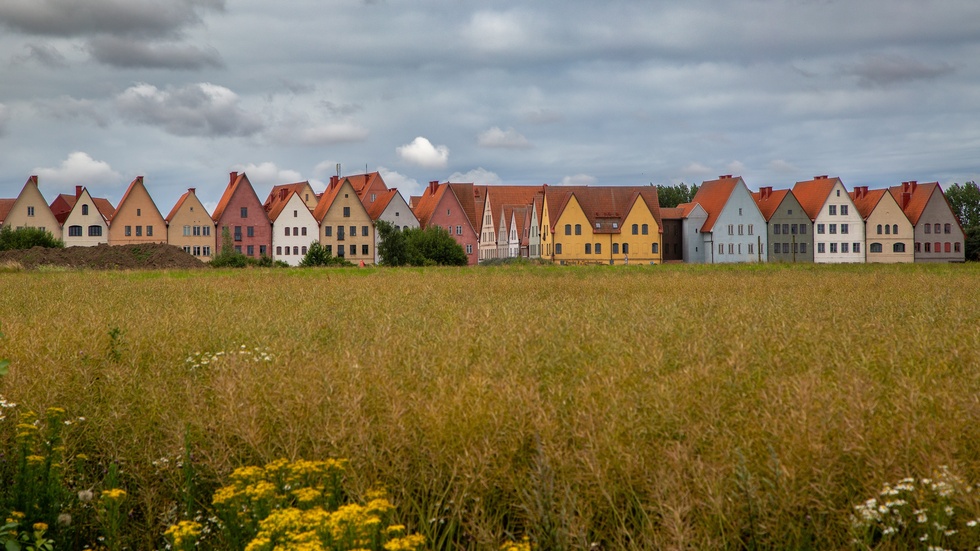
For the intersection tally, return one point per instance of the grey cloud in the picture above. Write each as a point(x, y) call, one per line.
point(4, 117)
point(342, 109)
point(130, 53)
point(69, 108)
point(885, 70)
point(201, 109)
point(119, 17)
point(42, 54)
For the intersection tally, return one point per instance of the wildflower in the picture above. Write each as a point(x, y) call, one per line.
point(183, 532)
point(971, 523)
point(81, 457)
point(64, 519)
point(35, 459)
point(114, 494)
point(889, 530)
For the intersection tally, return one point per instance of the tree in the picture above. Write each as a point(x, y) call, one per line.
point(392, 245)
point(25, 238)
point(434, 246)
point(671, 196)
point(965, 200)
point(317, 255)
point(972, 246)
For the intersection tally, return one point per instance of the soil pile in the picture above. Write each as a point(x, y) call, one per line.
point(150, 256)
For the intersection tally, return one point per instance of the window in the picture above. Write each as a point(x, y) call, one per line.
point(139, 231)
point(261, 250)
point(197, 250)
point(187, 230)
point(84, 210)
point(731, 248)
point(327, 231)
point(364, 250)
point(956, 247)
point(303, 250)
point(948, 228)
point(785, 248)
point(898, 248)
point(287, 231)
point(329, 249)
point(469, 248)
point(353, 250)
point(206, 251)
point(353, 231)
point(340, 234)
point(833, 248)
point(364, 231)
point(250, 231)
point(278, 250)
point(626, 248)
point(557, 248)
point(832, 210)
point(295, 250)
point(803, 229)
point(75, 231)
point(820, 228)
point(295, 213)
point(751, 248)
point(741, 229)
point(833, 229)
point(875, 248)
point(303, 231)
point(856, 248)
point(776, 229)
point(888, 229)
point(721, 248)
point(598, 248)
point(238, 233)
point(843, 228)
point(843, 210)
point(30, 212)
point(656, 248)
point(803, 248)
point(775, 248)
point(568, 229)
point(206, 230)
point(843, 247)
point(821, 248)
point(935, 228)
point(615, 248)
point(786, 229)
point(636, 229)
point(139, 212)
point(731, 229)
point(340, 251)
point(645, 229)
point(928, 247)
point(796, 247)
point(244, 213)
point(895, 229)
point(927, 228)
point(879, 230)
point(838, 193)
point(238, 249)
point(459, 230)
point(588, 248)
point(251, 250)
point(346, 212)
point(187, 250)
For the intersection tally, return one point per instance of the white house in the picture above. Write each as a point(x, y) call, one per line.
point(838, 228)
point(293, 227)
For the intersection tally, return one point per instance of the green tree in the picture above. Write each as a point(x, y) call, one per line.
point(317, 255)
point(228, 257)
point(25, 238)
point(671, 196)
point(433, 246)
point(972, 246)
point(965, 200)
point(392, 245)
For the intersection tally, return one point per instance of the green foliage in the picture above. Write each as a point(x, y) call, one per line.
point(392, 245)
point(318, 256)
point(972, 245)
point(230, 258)
point(671, 196)
point(433, 246)
point(965, 201)
point(25, 238)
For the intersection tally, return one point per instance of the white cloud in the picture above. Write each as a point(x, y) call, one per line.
point(476, 176)
point(4, 117)
point(201, 109)
point(503, 139)
point(497, 32)
point(405, 185)
point(735, 168)
point(578, 180)
point(79, 169)
point(421, 152)
point(267, 174)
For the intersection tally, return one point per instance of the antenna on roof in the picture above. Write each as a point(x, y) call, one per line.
point(338, 170)
point(365, 168)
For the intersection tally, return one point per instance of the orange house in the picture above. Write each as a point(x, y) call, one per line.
point(137, 219)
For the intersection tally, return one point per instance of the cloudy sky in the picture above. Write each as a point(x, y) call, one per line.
point(577, 91)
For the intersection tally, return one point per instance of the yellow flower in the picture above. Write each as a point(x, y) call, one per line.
point(306, 495)
point(40, 527)
point(35, 459)
point(114, 494)
point(407, 543)
point(17, 515)
point(185, 531)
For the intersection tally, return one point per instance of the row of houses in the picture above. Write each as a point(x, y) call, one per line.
point(816, 220)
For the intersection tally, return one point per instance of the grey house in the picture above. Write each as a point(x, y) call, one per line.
point(790, 230)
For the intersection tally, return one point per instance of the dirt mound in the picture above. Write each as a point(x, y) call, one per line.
point(152, 256)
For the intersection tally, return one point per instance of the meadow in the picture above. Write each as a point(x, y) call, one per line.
point(617, 408)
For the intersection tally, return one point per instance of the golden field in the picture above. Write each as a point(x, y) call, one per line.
point(629, 407)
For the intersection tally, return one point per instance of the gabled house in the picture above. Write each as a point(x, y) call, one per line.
point(389, 206)
point(496, 238)
point(789, 229)
point(29, 210)
point(84, 219)
point(695, 250)
point(733, 230)
point(838, 229)
point(601, 225)
point(939, 237)
point(303, 189)
point(293, 226)
point(452, 206)
point(136, 218)
point(890, 236)
point(531, 240)
point(345, 228)
point(240, 215)
point(190, 227)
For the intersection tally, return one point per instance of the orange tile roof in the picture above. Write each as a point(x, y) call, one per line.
point(812, 194)
point(428, 201)
point(363, 183)
point(5, 206)
point(281, 192)
point(501, 196)
point(865, 200)
point(377, 208)
point(105, 207)
point(280, 202)
point(672, 213)
point(919, 195)
point(327, 198)
point(177, 205)
point(233, 181)
point(768, 200)
point(712, 195)
point(604, 206)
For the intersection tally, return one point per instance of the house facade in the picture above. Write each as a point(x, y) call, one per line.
point(136, 218)
point(293, 227)
point(303, 189)
point(788, 227)
point(838, 228)
point(672, 238)
point(86, 220)
point(890, 236)
point(240, 215)
point(440, 205)
point(939, 237)
point(389, 206)
point(190, 227)
point(734, 229)
point(345, 229)
point(500, 232)
point(30, 210)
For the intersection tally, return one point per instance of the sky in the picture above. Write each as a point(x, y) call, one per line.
point(183, 92)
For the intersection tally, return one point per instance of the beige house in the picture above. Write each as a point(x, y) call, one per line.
point(890, 235)
point(30, 210)
point(190, 227)
point(85, 220)
point(137, 219)
point(346, 229)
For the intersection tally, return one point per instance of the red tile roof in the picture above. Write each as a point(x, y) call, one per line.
point(280, 202)
point(105, 207)
point(5, 206)
point(768, 200)
point(604, 206)
point(61, 206)
point(428, 201)
point(377, 208)
point(281, 192)
point(918, 198)
point(471, 199)
point(712, 195)
point(866, 200)
point(812, 194)
point(671, 213)
point(364, 183)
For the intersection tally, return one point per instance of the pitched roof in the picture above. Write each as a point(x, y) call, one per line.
point(233, 181)
point(281, 192)
point(507, 196)
point(178, 204)
point(866, 200)
point(137, 182)
point(280, 202)
point(471, 199)
point(675, 213)
point(769, 199)
point(363, 183)
point(105, 207)
point(327, 198)
point(376, 208)
point(5, 206)
point(812, 194)
point(606, 207)
point(712, 195)
point(426, 204)
point(62, 205)
point(918, 198)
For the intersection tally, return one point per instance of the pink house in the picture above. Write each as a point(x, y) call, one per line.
point(453, 207)
point(240, 212)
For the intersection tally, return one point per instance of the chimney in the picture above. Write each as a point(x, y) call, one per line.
point(282, 193)
point(232, 176)
point(820, 177)
point(433, 185)
point(334, 180)
point(78, 191)
point(912, 185)
point(139, 179)
point(192, 190)
point(724, 176)
point(33, 178)
point(766, 192)
point(905, 199)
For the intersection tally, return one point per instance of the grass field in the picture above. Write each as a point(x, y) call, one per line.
point(632, 407)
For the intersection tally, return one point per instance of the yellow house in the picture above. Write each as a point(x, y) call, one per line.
point(346, 229)
point(137, 219)
point(190, 227)
point(889, 234)
point(30, 210)
point(601, 225)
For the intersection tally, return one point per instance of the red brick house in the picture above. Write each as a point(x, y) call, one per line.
point(241, 212)
point(454, 207)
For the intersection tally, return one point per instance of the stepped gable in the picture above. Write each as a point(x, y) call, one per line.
point(812, 194)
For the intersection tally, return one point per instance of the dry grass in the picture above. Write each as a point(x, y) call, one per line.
point(642, 408)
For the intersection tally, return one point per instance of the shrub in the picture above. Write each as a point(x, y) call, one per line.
point(25, 238)
point(317, 255)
